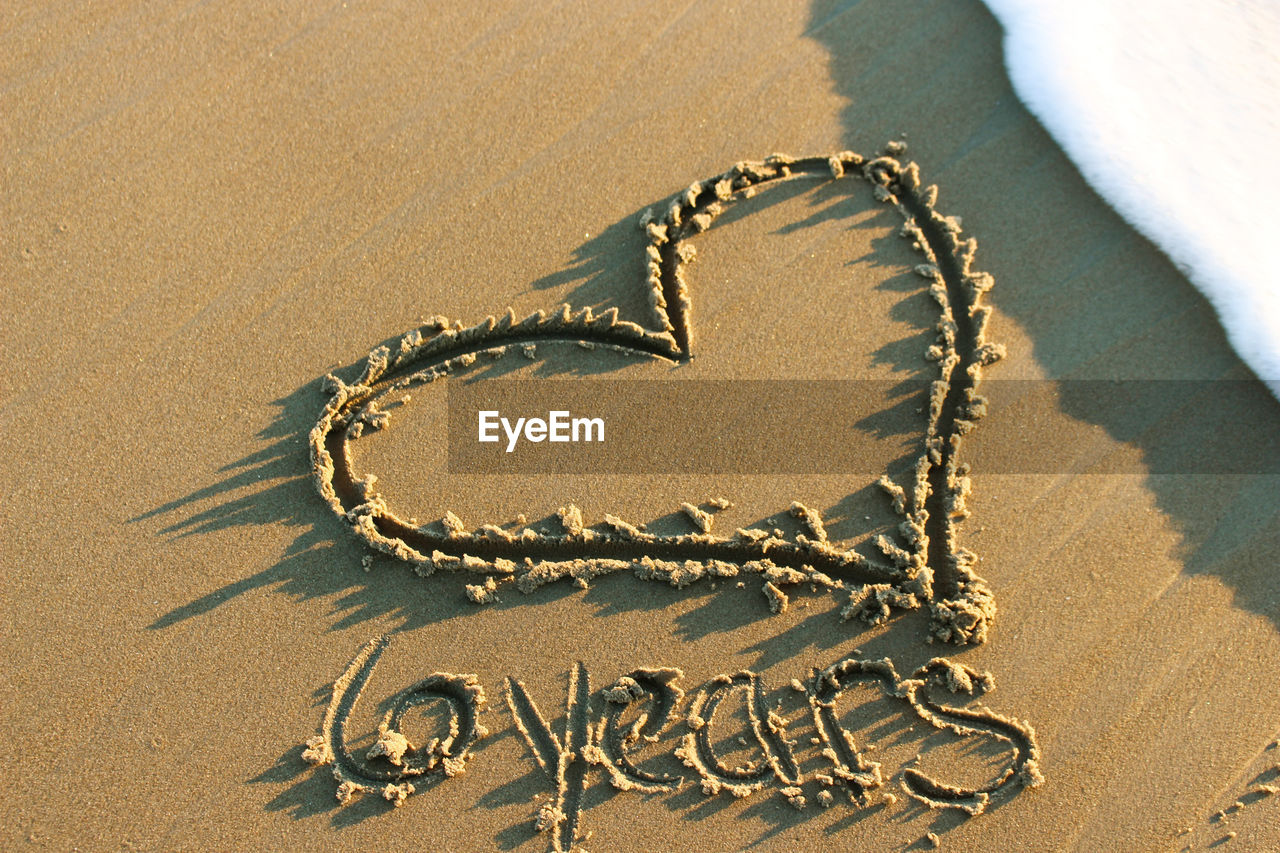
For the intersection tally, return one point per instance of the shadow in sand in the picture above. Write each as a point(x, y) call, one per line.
point(321, 561)
point(1096, 299)
point(269, 487)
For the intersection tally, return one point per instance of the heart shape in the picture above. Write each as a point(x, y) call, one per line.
point(926, 565)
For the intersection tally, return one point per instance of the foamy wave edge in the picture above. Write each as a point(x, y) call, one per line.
point(1170, 112)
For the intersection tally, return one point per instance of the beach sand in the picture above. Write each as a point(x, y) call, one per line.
point(209, 210)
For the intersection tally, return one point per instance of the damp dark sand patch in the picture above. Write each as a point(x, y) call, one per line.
point(923, 564)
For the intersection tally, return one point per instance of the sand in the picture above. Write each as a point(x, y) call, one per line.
point(216, 215)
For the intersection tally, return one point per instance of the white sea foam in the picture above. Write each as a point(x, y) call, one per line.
point(1171, 111)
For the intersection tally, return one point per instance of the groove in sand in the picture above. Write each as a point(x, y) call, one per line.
point(927, 565)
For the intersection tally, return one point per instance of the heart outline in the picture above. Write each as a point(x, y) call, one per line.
point(932, 568)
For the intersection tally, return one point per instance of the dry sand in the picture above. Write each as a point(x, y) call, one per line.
point(209, 210)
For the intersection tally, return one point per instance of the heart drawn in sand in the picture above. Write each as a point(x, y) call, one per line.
point(926, 566)
point(923, 565)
